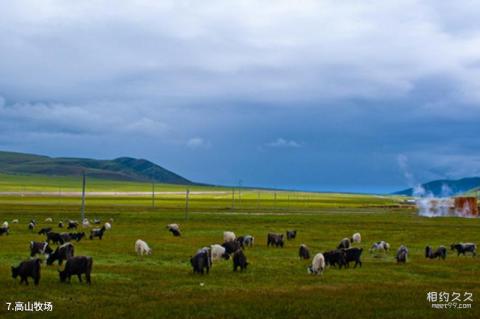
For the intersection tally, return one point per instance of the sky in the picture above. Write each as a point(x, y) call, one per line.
point(354, 96)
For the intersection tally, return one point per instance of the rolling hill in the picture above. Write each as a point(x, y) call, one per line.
point(453, 187)
point(122, 169)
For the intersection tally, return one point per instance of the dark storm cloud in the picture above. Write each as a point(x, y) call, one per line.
point(312, 94)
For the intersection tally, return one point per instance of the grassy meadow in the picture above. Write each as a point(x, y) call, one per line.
point(276, 284)
point(59, 184)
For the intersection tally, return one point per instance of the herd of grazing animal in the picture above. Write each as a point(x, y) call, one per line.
point(340, 257)
point(344, 254)
point(233, 247)
point(65, 251)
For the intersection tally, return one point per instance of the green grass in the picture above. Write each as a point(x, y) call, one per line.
point(41, 183)
point(276, 285)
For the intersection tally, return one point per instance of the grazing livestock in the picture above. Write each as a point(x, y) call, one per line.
point(206, 249)
point(304, 252)
point(229, 236)
point(31, 226)
point(318, 265)
point(174, 229)
point(96, 221)
point(344, 244)
point(231, 246)
point(60, 224)
point(239, 240)
point(402, 254)
point(174, 226)
point(49, 220)
point(356, 238)
point(3, 230)
point(142, 248)
point(218, 252)
point(107, 226)
point(85, 223)
point(28, 268)
point(463, 248)
point(55, 238)
point(275, 240)
point(45, 230)
point(441, 252)
point(15, 221)
point(97, 232)
point(72, 224)
point(61, 253)
point(335, 257)
point(39, 248)
point(291, 234)
point(77, 266)
point(239, 260)
point(382, 246)
point(5, 224)
point(201, 261)
point(76, 236)
point(248, 240)
point(65, 237)
point(353, 254)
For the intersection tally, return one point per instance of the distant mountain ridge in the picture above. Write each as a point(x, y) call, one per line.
point(122, 168)
point(439, 187)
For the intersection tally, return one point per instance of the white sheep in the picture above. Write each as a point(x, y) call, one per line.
point(5, 224)
point(318, 265)
point(108, 226)
point(15, 221)
point(229, 236)
point(141, 248)
point(85, 223)
point(356, 238)
point(49, 220)
point(218, 252)
point(382, 246)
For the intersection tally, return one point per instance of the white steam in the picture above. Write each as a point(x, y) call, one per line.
point(427, 204)
point(434, 206)
point(402, 161)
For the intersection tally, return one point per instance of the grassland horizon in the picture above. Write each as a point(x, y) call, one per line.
point(276, 284)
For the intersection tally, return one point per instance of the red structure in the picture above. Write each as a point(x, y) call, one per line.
point(466, 206)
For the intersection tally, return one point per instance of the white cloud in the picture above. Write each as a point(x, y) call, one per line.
point(169, 75)
point(281, 142)
point(285, 51)
point(198, 143)
point(90, 118)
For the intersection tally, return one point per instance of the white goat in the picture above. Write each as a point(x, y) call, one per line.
point(318, 265)
point(142, 248)
point(228, 236)
point(356, 238)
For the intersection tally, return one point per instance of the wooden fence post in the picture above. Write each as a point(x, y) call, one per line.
point(187, 198)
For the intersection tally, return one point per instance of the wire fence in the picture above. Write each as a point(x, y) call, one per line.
point(234, 200)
